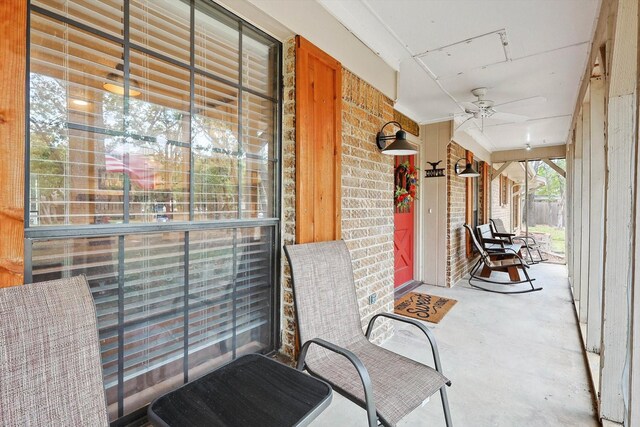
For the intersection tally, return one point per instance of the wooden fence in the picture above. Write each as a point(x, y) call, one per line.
point(546, 212)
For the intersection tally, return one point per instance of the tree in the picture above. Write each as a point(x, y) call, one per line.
point(555, 187)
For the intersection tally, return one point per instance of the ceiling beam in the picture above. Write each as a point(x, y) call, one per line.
point(555, 167)
point(497, 173)
point(551, 152)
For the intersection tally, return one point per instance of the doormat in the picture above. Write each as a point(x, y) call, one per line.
point(423, 306)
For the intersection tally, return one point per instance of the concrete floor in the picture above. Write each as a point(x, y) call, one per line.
point(514, 360)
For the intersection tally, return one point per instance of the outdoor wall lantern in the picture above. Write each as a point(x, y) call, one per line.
point(399, 147)
point(467, 172)
point(115, 83)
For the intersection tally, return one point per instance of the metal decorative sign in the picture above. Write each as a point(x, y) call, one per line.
point(434, 172)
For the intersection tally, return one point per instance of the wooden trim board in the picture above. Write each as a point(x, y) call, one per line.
point(318, 144)
point(13, 51)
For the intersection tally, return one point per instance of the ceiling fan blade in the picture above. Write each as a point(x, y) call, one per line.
point(469, 106)
point(523, 102)
point(508, 117)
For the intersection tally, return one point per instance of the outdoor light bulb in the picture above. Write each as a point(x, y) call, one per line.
point(80, 102)
point(118, 89)
point(528, 147)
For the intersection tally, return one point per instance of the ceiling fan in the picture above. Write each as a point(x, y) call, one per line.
point(484, 108)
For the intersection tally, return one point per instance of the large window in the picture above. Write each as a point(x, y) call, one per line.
point(153, 170)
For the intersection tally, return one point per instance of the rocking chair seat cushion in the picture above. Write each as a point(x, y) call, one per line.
point(400, 384)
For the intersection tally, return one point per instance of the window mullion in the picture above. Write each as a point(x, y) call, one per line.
point(126, 57)
point(241, 157)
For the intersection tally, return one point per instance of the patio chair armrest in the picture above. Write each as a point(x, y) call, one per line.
point(417, 324)
point(503, 234)
point(356, 362)
point(525, 239)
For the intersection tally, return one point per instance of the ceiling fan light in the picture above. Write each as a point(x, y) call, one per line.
point(115, 83)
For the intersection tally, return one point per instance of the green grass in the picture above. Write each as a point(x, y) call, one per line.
point(557, 236)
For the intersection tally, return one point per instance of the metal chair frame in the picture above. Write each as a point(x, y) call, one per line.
point(369, 404)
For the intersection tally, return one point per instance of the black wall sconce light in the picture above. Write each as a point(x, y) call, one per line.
point(467, 172)
point(399, 147)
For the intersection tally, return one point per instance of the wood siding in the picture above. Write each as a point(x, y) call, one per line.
point(13, 51)
point(318, 144)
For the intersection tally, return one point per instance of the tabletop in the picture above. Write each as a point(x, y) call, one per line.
point(253, 390)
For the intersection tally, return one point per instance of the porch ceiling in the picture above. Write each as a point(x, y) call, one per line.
point(443, 49)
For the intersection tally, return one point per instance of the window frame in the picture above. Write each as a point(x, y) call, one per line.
point(34, 234)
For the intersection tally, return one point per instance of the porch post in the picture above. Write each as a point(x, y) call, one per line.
point(619, 226)
point(569, 247)
point(577, 209)
point(634, 344)
point(584, 220)
point(596, 215)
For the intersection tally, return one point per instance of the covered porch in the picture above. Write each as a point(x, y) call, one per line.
point(169, 150)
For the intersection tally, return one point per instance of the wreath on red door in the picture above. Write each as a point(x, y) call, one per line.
point(406, 182)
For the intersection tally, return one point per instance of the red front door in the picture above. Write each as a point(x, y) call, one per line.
point(403, 221)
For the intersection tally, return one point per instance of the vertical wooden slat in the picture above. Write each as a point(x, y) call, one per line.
point(618, 249)
point(596, 216)
point(13, 33)
point(622, 142)
point(584, 212)
point(570, 210)
point(304, 193)
point(633, 415)
point(318, 144)
point(577, 209)
point(337, 150)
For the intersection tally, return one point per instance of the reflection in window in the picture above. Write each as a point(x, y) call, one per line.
point(92, 150)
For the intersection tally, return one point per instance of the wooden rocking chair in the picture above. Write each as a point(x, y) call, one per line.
point(528, 243)
point(506, 262)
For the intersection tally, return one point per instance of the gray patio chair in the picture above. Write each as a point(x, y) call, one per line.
point(507, 262)
point(50, 368)
point(387, 385)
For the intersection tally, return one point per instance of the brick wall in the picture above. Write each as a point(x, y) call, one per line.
point(287, 313)
point(367, 196)
point(457, 262)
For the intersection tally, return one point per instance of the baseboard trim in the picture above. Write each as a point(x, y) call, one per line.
point(405, 288)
